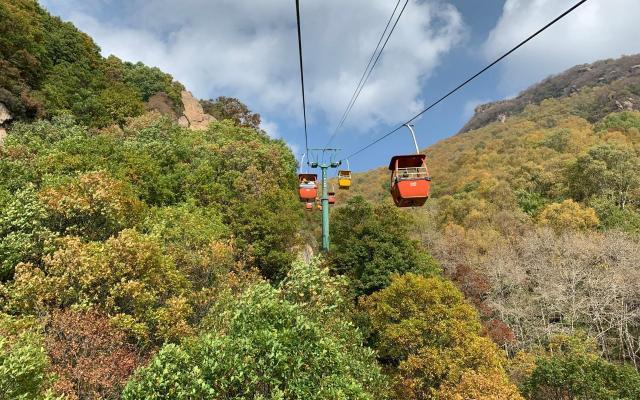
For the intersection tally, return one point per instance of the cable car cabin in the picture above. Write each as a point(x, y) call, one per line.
point(410, 180)
point(308, 187)
point(308, 206)
point(332, 198)
point(344, 179)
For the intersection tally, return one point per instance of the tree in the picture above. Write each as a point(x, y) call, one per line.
point(370, 243)
point(430, 337)
point(23, 361)
point(606, 170)
point(544, 283)
point(151, 80)
point(92, 205)
point(90, 357)
point(261, 345)
point(128, 277)
point(478, 386)
point(233, 109)
point(569, 369)
point(568, 215)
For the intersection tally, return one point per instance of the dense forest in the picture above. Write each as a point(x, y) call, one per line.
point(141, 259)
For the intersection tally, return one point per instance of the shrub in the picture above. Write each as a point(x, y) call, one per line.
point(23, 361)
point(571, 369)
point(23, 234)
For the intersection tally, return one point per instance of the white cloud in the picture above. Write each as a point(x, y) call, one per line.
point(295, 149)
point(270, 127)
point(598, 29)
point(248, 49)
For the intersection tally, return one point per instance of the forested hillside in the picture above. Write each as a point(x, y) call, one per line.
point(534, 214)
point(143, 259)
point(49, 68)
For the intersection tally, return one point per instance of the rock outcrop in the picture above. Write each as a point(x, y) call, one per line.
point(5, 116)
point(161, 103)
point(193, 116)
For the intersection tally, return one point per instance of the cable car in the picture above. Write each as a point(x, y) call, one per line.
point(344, 179)
point(410, 180)
point(308, 206)
point(308, 187)
point(332, 197)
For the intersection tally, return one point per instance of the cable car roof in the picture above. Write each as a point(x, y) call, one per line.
point(407, 161)
point(311, 177)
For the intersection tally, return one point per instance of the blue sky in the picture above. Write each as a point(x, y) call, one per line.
point(247, 49)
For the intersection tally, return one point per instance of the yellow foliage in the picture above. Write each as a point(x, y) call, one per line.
point(425, 325)
point(93, 204)
point(568, 215)
point(481, 386)
point(127, 276)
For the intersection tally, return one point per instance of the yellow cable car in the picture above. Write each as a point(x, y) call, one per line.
point(344, 179)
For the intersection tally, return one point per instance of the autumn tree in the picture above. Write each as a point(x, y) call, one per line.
point(91, 358)
point(568, 215)
point(430, 337)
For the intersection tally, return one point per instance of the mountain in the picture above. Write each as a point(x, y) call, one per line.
point(49, 68)
point(152, 245)
point(538, 146)
point(535, 209)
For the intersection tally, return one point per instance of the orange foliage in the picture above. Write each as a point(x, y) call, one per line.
point(91, 358)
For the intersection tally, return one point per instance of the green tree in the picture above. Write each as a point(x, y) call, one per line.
point(570, 368)
point(24, 236)
point(232, 109)
point(23, 361)
point(606, 170)
point(370, 243)
point(264, 346)
point(151, 80)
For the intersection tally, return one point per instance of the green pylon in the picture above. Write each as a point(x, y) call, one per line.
point(324, 199)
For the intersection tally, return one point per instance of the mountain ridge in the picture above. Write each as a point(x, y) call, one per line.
point(572, 80)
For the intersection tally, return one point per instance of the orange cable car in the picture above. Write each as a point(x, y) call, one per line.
point(332, 197)
point(410, 180)
point(307, 187)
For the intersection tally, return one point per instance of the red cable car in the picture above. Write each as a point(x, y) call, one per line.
point(410, 180)
point(332, 197)
point(308, 187)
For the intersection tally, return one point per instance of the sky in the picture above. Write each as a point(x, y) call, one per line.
point(248, 49)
